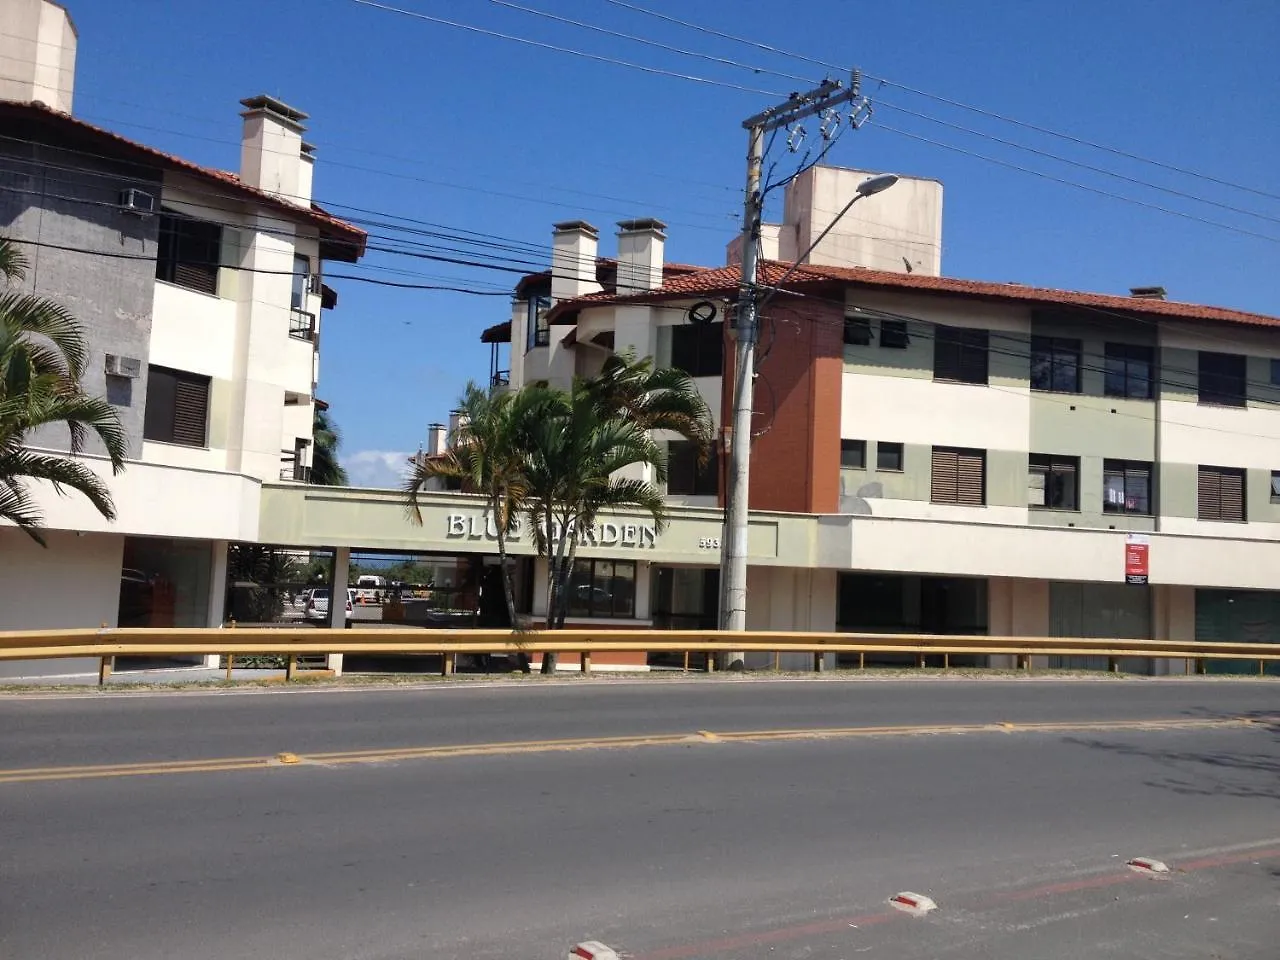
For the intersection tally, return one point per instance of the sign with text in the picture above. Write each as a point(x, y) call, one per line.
point(1137, 549)
point(481, 526)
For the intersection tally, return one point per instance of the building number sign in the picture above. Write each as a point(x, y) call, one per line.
point(709, 543)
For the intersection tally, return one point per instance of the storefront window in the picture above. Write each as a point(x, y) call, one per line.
point(165, 583)
point(603, 588)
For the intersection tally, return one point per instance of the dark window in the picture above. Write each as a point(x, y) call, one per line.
point(960, 353)
point(1275, 486)
point(1275, 373)
point(687, 477)
point(1126, 486)
point(188, 253)
point(177, 408)
point(1055, 364)
point(698, 348)
point(959, 476)
point(301, 274)
point(1222, 379)
point(857, 331)
point(1220, 494)
point(602, 588)
point(539, 331)
point(1053, 482)
point(893, 334)
point(853, 454)
point(1128, 371)
point(889, 456)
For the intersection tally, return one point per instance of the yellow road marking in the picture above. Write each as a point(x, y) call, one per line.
point(379, 755)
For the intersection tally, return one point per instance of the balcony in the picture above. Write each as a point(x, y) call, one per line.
point(302, 325)
point(296, 472)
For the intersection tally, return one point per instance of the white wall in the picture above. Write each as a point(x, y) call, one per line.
point(73, 583)
point(193, 331)
point(151, 499)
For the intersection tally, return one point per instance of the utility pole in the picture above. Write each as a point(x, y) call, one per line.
point(733, 562)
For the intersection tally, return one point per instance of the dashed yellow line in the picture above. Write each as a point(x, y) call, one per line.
point(382, 755)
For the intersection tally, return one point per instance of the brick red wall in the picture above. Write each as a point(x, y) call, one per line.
point(795, 459)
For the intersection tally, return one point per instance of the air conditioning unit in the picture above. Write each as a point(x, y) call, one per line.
point(138, 202)
point(313, 284)
point(129, 367)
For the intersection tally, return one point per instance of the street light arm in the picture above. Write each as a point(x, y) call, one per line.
point(867, 188)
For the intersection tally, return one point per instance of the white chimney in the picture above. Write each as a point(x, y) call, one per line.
point(640, 248)
point(271, 149)
point(37, 53)
point(574, 248)
point(436, 439)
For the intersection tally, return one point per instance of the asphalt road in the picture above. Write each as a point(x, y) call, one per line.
point(700, 848)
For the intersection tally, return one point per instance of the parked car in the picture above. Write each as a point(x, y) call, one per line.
point(316, 608)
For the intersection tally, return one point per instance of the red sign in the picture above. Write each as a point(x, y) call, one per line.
point(1136, 555)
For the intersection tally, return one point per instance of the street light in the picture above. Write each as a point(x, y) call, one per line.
point(733, 560)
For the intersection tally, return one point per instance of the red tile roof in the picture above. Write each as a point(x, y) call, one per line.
point(344, 241)
point(721, 281)
point(606, 275)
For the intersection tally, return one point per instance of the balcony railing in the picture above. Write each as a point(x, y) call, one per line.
point(302, 325)
point(297, 472)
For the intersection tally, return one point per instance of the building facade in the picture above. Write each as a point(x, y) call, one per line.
point(200, 293)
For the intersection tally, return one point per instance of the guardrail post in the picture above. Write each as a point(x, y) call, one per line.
point(920, 660)
point(1113, 664)
point(291, 667)
point(711, 662)
point(946, 661)
point(819, 661)
point(585, 661)
point(862, 659)
point(777, 661)
point(686, 661)
point(105, 665)
point(446, 664)
point(1262, 668)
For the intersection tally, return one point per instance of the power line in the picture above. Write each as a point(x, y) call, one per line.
point(1080, 186)
point(724, 61)
point(1076, 163)
point(1114, 151)
point(599, 58)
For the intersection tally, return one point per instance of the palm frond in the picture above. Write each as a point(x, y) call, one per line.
point(13, 265)
point(17, 508)
point(39, 315)
point(60, 472)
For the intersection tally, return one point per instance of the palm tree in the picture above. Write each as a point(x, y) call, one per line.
point(487, 456)
point(43, 353)
point(575, 451)
point(661, 399)
point(325, 469)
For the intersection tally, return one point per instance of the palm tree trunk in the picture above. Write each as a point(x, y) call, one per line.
point(508, 591)
point(563, 610)
point(553, 590)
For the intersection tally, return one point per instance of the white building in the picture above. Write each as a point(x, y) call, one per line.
point(201, 294)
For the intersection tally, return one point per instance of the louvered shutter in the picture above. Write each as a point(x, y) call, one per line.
point(1232, 485)
point(190, 411)
point(970, 477)
point(1209, 494)
point(196, 276)
point(943, 480)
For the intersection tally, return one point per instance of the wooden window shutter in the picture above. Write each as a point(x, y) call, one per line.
point(970, 477)
point(190, 410)
point(1231, 496)
point(943, 480)
point(1209, 494)
point(202, 277)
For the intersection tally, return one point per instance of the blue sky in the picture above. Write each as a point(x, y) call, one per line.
point(430, 122)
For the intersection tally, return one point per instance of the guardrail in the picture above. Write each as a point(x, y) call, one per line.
point(292, 642)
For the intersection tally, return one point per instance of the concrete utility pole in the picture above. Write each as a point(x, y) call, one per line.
point(733, 563)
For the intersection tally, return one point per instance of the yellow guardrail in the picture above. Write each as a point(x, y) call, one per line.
point(292, 642)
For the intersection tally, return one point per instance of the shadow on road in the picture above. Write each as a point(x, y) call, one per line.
point(1252, 774)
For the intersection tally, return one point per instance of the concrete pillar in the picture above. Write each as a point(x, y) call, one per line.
point(338, 602)
point(217, 592)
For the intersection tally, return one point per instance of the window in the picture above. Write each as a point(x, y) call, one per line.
point(698, 348)
point(602, 588)
point(687, 477)
point(960, 353)
point(301, 274)
point(177, 408)
point(1053, 482)
point(959, 476)
point(1220, 494)
point(1222, 379)
point(857, 331)
point(1055, 364)
point(1126, 486)
point(1275, 486)
point(1128, 371)
point(538, 330)
point(188, 253)
point(1275, 373)
point(893, 334)
point(853, 454)
point(889, 457)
